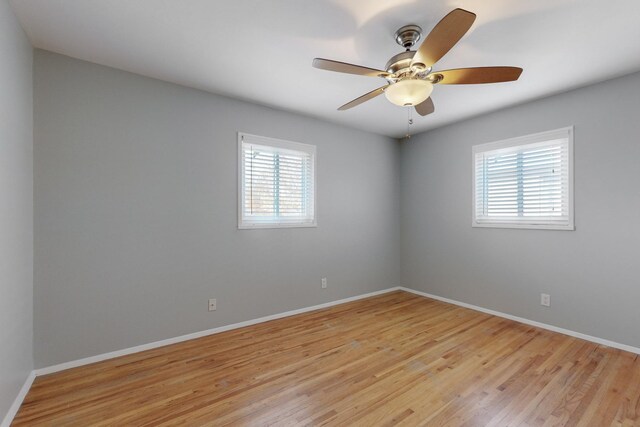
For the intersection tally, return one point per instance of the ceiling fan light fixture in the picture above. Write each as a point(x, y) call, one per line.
point(409, 92)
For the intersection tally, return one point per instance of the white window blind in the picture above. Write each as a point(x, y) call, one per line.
point(525, 182)
point(276, 183)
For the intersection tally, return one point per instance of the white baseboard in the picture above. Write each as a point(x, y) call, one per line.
point(586, 337)
point(174, 340)
point(13, 409)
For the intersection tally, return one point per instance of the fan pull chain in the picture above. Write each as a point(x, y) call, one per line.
point(409, 123)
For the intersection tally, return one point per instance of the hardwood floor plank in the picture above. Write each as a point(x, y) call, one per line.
point(393, 359)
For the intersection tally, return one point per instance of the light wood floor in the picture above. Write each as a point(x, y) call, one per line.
point(395, 359)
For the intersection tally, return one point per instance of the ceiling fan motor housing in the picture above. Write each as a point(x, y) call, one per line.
point(400, 66)
point(399, 62)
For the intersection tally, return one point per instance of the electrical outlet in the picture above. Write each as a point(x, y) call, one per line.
point(324, 283)
point(213, 304)
point(545, 299)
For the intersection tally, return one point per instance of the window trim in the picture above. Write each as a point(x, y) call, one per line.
point(566, 132)
point(244, 224)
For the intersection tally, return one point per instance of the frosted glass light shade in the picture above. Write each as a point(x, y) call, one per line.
point(410, 92)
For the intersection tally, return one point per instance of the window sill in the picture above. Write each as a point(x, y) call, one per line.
point(561, 227)
point(277, 225)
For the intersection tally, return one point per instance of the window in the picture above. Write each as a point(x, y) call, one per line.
point(276, 183)
point(525, 182)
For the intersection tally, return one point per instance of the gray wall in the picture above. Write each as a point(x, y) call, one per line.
point(136, 213)
point(592, 273)
point(16, 208)
point(136, 226)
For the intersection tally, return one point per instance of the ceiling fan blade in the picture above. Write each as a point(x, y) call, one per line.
point(425, 107)
point(343, 67)
point(444, 36)
point(470, 76)
point(363, 98)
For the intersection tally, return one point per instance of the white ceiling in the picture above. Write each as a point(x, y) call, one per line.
point(261, 51)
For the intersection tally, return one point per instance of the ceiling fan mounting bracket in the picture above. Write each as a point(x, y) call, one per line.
point(408, 36)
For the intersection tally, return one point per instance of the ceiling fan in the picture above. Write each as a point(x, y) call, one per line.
point(409, 74)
